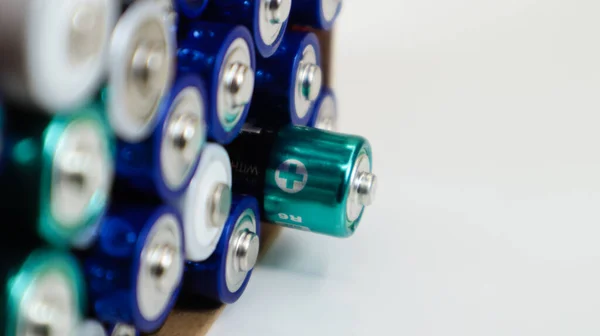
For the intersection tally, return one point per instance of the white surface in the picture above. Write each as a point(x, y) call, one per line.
point(484, 117)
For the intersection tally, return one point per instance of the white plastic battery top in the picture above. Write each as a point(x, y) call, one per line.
point(139, 15)
point(62, 46)
point(201, 237)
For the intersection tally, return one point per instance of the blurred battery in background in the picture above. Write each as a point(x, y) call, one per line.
point(166, 161)
point(57, 173)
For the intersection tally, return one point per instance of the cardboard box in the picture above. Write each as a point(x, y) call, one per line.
point(196, 318)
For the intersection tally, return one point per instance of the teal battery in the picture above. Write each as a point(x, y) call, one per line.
point(43, 291)
point(135, 268)
point(57, 174)
point(223, 277)
point(288, 83)
point(164, 163)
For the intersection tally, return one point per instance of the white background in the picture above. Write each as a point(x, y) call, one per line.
point(484, 116)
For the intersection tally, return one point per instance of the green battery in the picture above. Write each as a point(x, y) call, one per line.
point(57, 174)
point(43, 293)
point(307, 179)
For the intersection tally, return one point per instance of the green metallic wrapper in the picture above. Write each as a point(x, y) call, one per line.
point(30, 146)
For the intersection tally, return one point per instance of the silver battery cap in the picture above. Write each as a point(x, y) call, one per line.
point(242, 252)
point(58, 50)
point(48, 306)
point(141, 70)
point(363, 187)
point(272, 16)
point(327, 115)
point(161, 267)
point(309, 79)
point(81, 176)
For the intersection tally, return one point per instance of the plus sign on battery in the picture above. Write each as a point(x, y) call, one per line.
point(291, 176)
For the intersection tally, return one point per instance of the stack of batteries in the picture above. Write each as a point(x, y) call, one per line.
point(141, 144)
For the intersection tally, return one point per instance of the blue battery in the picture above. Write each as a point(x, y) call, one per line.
point(266, 19)
point(135, 269)
point(223, 55)
point(165, 162)
point(288, 83)
point(121, 329)
point(318, 14)
point(325, 113)
point(224, 276)
point(190, 8)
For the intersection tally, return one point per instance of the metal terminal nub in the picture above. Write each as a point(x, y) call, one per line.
point(86, 32)
point(239, 80)
point(40, 316)
point(311, 79)
point(73, 168)
point(123, 330)
point(220, 204)
point(278, 11)
point(366, 188)
point(160, 260)
point(246, 250)
point(183, 130)
point(147, 65)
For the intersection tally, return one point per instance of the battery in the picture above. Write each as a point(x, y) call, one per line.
point(223, 55)
point(89, 327)
point(206, 203)
point(43, 291)
point(141, 70)
point(42, 38)
point(305, 178)
point(266, 19)
point(57, 174)
point(190, 8)
point(288, 83)
point(325, 113)
point(134, 270)
point(121, 329)
point(318, 14)
point(165, 162)
point(224, 276)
